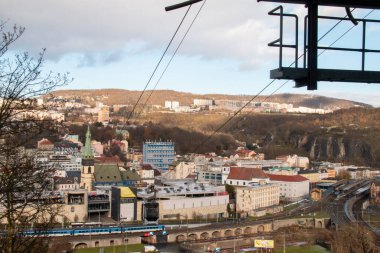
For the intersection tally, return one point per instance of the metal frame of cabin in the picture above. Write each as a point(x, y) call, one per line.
point(309, 74)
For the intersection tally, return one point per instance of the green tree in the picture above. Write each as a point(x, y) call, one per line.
point(231, 191)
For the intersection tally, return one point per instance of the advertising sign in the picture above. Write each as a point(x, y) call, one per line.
point(268, 244)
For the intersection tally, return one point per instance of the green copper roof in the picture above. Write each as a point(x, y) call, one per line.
point(87, 154)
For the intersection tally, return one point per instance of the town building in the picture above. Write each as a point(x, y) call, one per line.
point(45, 145)
point(256, 196)
point(64, 162)
point(124, 204)
point(97, 148)
point(180, 170)
point(213, 173)
point(75, 206)
point(314, 176)
point(104, 115)
point(241, 176)
point(295, 161)
point(203, 102)
point(244, 153)
point(158, 154)
point(88, 164)
point(66, 147)
point(258, 163)
point(98, 205)
point(172, 105)
point(185, 199)
point(67, 183)
point(289, 171)
point(292, 188)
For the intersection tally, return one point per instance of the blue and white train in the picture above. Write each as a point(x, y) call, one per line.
point(96, 231)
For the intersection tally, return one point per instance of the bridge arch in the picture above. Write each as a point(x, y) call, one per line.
point(238, 231)
point(180, 238)
point(320, 224)
point(260, 229)
point(81, 245)
point(248, 230)
point(96, 244)
point(228, 232)
point(215, 234)
point(192, 237)
point(205, 236)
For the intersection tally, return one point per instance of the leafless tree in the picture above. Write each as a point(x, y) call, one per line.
point(354, 239)
point(26, 198)
point(26, 201)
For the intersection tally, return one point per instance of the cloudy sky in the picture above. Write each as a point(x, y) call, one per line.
point(117, 43)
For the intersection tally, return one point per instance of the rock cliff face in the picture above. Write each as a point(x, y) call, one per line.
point(334, 148)
point(349, 136)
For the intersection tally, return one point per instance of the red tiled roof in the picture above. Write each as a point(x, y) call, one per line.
point(285, 178)
point(45, 142)
point(157, 173)
point(109, 160)
point(147, 167)
point(192, 176)
point(246, 151)
point(242, 173)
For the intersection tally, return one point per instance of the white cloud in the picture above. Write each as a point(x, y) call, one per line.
point(101, 30)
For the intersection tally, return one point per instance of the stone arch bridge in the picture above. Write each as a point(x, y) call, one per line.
point(214, 231)
point(207, 233)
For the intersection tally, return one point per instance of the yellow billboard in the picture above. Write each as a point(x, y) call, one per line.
point(268, 244)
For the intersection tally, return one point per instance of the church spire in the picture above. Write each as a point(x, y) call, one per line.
point(87, 154)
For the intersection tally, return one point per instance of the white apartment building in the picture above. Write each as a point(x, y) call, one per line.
point(292, 188)
point(203, 102)
point(173, 105)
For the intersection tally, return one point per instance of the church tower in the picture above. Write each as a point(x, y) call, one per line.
point(88, 168)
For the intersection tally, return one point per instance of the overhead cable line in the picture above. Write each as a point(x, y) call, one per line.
point(158, 64)
point(270, 83)
point(233, 116)
point(175, 52)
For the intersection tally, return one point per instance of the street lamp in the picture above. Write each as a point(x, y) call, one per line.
point(187, 224)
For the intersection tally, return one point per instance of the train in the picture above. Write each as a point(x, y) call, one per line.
point(150, 230)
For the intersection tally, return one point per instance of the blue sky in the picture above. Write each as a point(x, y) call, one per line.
point(117, 43)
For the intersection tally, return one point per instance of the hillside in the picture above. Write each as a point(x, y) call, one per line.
point(350, 136)
point(118, 96)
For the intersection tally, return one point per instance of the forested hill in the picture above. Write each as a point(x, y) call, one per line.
point(119, 96)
